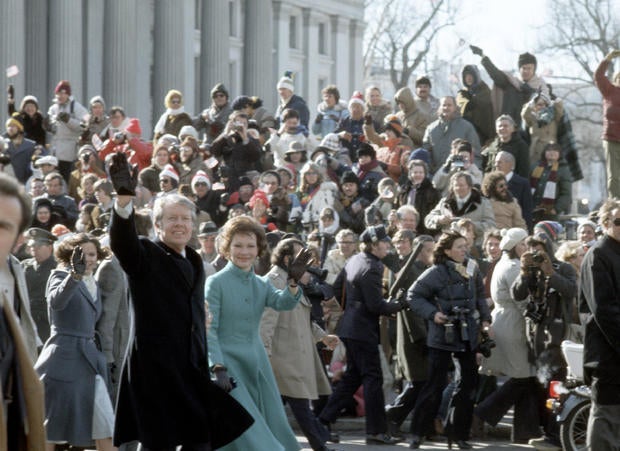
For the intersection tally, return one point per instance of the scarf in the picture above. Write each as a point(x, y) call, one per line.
point(307, 196)
point(159, 127)
point(549, 190)
point(364, 169)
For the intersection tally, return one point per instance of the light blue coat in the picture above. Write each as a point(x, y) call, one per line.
point(237, 300)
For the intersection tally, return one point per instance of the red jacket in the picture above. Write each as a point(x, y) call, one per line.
point(611, 103)
point(138, 152)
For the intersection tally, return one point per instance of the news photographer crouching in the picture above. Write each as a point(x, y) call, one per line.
point(450, 296)
point(551, 286)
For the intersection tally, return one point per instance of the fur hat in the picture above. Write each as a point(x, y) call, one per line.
point(511, 237)
point(287, 81)
point(366, 149)
point(169, 171)
point(349, 177)
point(550, 228)
point(172, 93)
point(240, 103)
point(97, 99)
point(201, 176)
point(527, 58)
point(219, 88)
point(357, 97)
point(63, 85)
point(133, 126)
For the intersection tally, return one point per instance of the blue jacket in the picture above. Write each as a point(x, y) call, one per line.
point(294, 103)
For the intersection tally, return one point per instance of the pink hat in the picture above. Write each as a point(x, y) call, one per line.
point(357, 97)
point(133, 126)
point(201, 176)
point(169, 171)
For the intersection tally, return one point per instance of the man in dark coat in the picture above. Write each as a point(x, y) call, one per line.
point(359, 331)
point(600, 297)
point(166, 396)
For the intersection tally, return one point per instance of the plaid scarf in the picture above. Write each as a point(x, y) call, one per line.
point(548, 191)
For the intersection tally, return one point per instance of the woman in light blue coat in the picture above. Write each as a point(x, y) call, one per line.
point(237, 298)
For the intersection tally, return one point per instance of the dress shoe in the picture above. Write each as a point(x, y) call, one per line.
point(394, 430)
point(334, 437)
point(462, 444)
point(415, 442)
point(380, 439)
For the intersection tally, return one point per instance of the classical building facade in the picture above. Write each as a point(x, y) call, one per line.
point(133, 51)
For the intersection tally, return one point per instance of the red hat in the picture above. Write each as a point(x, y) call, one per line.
point(259, 195)
point(134, 126)
point(63, 85)
point(357, 97)
point(169, 171)
point(201, 176)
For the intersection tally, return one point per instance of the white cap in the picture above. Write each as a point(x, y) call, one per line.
point(47, 159)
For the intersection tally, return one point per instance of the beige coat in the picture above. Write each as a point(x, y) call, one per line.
point(508, 214)
point(290, 340)
point(541, 136)
point(34, 433)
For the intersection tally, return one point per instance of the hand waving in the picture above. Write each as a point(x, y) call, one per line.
point(124, 176)
point(78, 264)
point(298, 265)
point(476, 50)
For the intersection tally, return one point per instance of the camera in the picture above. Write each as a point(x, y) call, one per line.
point(319, 273)
point(457, 317)
point(238, 126)
point(535, 311)
point(486, 344)
point(458, 162)
point(119, 136)
point(86, 157)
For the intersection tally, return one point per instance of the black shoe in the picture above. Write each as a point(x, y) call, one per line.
point(380, 439)
point(462, 444)
point(415, 442)
point(394, 430)
point(334, 437)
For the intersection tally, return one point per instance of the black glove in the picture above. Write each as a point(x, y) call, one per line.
point(64, 117)
point(319, 118)
point(124, 176)
point(78, 264)
point(298, 265)
point(465, 93)
point(11, 92)
point(476, 50)
point(222, 379)
point(224, 198)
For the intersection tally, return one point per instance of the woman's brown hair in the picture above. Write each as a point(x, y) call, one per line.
point(244, 225)
point(65, 248)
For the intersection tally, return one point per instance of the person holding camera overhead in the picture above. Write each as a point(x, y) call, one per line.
point(511, 356)
point(450, 296)
point(461, 159)
point(129, 142)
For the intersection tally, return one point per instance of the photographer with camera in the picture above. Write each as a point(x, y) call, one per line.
point(129, 142)
point(450, 296)
point(461, 159)
point(511, 356)
point(550, 286)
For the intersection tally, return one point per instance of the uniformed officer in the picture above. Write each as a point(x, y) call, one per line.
point(359, 331)
point(37, 270)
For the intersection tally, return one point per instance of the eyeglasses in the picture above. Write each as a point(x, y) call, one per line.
point(175, 101)
point(219, 94)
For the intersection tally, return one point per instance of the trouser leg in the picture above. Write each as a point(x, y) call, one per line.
point(612, 166)
point(314, 431)
point(404, 403)
point(465, 394)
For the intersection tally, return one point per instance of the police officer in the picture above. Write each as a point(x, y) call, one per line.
point(37, 270)
point(359, 331)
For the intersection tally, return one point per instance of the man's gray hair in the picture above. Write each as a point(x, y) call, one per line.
point(505, 117)
point(171, 199)
point(507, 157)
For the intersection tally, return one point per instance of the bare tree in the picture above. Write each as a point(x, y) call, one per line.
point(400, 34)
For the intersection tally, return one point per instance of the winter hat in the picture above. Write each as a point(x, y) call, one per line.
point(13, 120)
point(219, 88)
point(293, 147)
point(240, 103)
point(63, 85)
point(86, 148)
point(527, 58)
point(169, 171)
point(201, 176)
point(287, 81)
point(374, 234)
point(29, 99)
point(47, 159)
point(349, 177)
point(586, 223)
point(133, 126)
point(550, 228)
point(511, 237)
point(394, 124)
point(332, 142)
point(357, 97)
point(187, 131)
point(168, 140)
point(171, 94)
point(366, 149)
point(244, 180)
point(420, 154)
point(97, 99)
point(258, 195)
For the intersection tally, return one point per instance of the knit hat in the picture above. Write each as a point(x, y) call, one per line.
point(366, 149)
point(258, 195)
point(133, 126)
point(586, 223)
point(219, 88)
point(172, 93)
point(240, 102)
point(201, 176)
point(420, 154)
point(63, 85)
point(188, 130)
point(527, 58)
point(168, 140)
point(13, 120)
point(244, 180)
point(393, 123)
point(293, 147)
point(169, 171)
point(357, 97)
point(86, 148)
point(97, 99)
point(332, 142)
point(551, 228)
point(207, 228)
point(47, 159)
point(511, 237)
point(349, 177)
point(29, 99)
point(287, 81)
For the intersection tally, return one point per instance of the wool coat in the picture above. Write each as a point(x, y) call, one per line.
point(290, 339)
point(70, 360)
point(166, 395)
point(508, 214)
point(237, 300)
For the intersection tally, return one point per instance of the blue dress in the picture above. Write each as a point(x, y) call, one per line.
point(237, 300)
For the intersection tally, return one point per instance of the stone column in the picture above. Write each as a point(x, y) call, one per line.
point(95, 12)
point(12, 50)
point(257, 53)
point(356, 69)
point(143, 108)
point(173, 62)
point(311, 53)
point(65, 45)
point(280, 47)
point(214, 48)
point(339, 53)
point(120, 66)
point(36, 52)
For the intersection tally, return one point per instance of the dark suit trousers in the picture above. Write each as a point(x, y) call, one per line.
point(315, 432)
point(405, 402)
point(363, 367)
